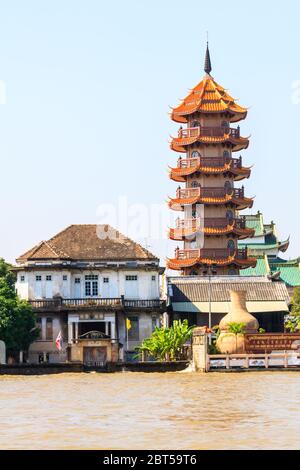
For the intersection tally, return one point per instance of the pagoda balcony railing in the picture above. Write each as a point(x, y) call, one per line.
point(210, 253)
point(216, 222)
point(186, 193)
point(211, 162)
point(210, 131)
point(193, 223)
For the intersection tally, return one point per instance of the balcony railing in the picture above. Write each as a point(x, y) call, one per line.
point(210, 253)
point(135, 303)
point(186, 193)
point(208, 162)
point(206, 131)
point(118, 302)
point(218, 222)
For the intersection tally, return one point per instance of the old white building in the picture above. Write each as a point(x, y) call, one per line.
point(87, 282)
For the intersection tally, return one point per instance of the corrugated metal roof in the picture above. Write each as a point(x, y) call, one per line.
point(183, 290)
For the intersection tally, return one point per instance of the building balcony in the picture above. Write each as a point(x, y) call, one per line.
point(209, 135)
point(209, 166)
point(215, 193)
point(211, 253)
point(217, 222)
point(209, 162)
point(210, 196)
point(210, 227)
point(118, 303)
point(209, 131)
point(211, 257)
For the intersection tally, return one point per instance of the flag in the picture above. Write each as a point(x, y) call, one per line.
point(59, 341)
point(128, 324)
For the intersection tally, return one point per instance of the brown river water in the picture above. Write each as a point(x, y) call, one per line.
point(151, 411)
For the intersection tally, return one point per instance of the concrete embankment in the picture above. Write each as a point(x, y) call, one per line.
point(44, 369)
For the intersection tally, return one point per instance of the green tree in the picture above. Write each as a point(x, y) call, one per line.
point(167, 343)
point(17, 320)
point(296, 302)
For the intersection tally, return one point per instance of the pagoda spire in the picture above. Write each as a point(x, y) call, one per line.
point(207, 63)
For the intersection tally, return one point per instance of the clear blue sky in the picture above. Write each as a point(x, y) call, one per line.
point(88, 89)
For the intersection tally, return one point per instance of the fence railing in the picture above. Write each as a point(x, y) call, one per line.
point(248, 361)
point(209, 131)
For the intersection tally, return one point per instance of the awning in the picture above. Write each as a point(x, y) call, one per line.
point(223, 307)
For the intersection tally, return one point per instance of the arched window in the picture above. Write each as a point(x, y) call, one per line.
point(228, 187)
point(195, 154)
point(231, 246)
point(231, 272)
point(229, 215)
point(195, 124)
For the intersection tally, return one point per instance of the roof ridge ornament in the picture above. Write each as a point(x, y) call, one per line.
point(207, 63)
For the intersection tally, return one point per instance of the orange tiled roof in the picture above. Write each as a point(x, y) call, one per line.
point(178, 204)
point(177, 265)
point(180, 234)
point(179, 174)
point(179, 144)
point(208, 97)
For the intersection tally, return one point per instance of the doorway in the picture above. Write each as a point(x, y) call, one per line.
point(95, 356)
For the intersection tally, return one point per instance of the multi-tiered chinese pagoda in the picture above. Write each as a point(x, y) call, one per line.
point(207, 197)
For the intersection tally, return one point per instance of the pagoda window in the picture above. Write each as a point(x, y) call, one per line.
point(232, 272)
point(228, 186)
point(195, 184)
point(225, 124)
point(231, 246)
point(195, 154)
point(226, 154)
point(195, 124)
point(229, 214)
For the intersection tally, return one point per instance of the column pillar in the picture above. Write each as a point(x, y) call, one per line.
point(76, 331)
point(113, 330)
point(70, 332)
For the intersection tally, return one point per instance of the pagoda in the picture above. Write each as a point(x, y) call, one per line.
point(206, 196)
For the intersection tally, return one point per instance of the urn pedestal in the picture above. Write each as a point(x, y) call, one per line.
point(230, 343)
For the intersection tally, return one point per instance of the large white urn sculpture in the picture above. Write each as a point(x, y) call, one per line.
point(231, 343)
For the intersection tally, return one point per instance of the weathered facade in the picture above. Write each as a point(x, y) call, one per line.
point(86, 283)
